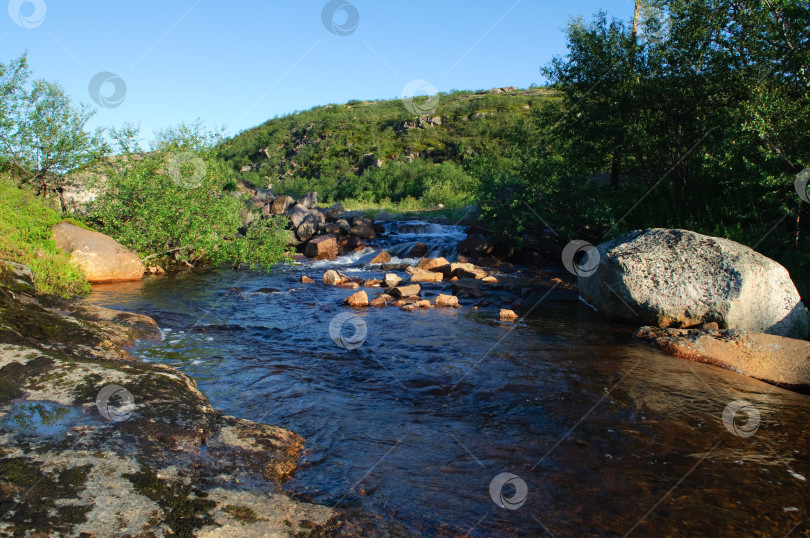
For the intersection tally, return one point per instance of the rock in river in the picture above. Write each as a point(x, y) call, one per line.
point(774, 359)
point(678, 278)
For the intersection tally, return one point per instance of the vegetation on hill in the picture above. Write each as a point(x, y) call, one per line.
point(380, 151)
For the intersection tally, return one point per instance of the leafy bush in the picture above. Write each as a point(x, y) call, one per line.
point(27, 237)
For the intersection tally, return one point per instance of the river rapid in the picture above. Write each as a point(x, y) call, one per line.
point(600, 435)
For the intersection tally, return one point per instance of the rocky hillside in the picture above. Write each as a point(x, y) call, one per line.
point(327, 148)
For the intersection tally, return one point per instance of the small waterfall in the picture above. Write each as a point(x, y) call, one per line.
point(401, 236)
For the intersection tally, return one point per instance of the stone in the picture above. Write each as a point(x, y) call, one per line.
point(323, 247)
point(507, 315)
point(371, 283)
point(362, 221)
point(381, 300)
point(332, 278)
point(773, 359)
point(17, 277)
point(331, 228)
point(409, 307)
point(348, 285)
point(310, 200)
point(429, 264)
point(405, 291)
point(362, 231)
point(281, 205)
point(420, 275)
point(307, 228)
point(100, 257)
point(357, 299)
point(307, 280)
point(392, 280)
point(474, 245)
point(490, 280)
point(419, 250)
point(467, 287)
point(467, 270)
point(446, 300)
point(382, 257)
point(678, 278)
point(334, 211)
point(424, 303)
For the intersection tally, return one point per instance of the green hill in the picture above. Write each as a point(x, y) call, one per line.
point(375, 151)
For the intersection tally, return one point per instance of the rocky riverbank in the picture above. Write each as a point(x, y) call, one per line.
point(94, 443)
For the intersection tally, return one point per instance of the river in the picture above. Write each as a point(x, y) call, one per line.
point(600, 435)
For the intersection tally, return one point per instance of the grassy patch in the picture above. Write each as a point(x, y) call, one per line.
point(26, 237)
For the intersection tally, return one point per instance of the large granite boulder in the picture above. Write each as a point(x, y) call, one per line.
point(100, 257)
point(678, 278)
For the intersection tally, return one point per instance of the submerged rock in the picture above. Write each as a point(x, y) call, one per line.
point(507, 315)
point(382, 257)
point(678, 278)
point(358, 299)
point(324, 247)
point(773, 359)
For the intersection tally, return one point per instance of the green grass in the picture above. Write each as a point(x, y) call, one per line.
point(26, 236)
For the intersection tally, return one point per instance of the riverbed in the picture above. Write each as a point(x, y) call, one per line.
point(599, 434)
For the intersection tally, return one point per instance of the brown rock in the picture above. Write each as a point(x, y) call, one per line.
point(467, 270)
point(348, 285)
point(100, 257)
point(424, 303)
point(508, 315)
point(419, 250)
point(380, 300)
point(392, 280)
point(382, 257)
point(400, 302)
point(307, 280)
point(405, 291)
point(490, 279)
point(371, 283)
point(429, 264)
point(363, 231)
point(281, 204)
point(358, 299)
point(446, 300)
point(409, 307)
point(324, 247)
point(332, 278)
point(777, 360)
point(420, 275)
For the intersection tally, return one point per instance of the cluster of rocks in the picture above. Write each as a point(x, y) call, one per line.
point(466, 280)
point(317, 232)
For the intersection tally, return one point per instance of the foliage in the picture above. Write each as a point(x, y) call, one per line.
point(377, 150)
point(26, 228)
point(41, 132)
point(703, 127)
point(161, 214)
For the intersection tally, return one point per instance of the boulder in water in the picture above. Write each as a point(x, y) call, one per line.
point(420, 275)
point(357, 299)
point(324, 247)
point(332, 278)
point(678, 278)
point(307, 280)
point(446, 300)
point(382, 257)
point(419, 250)
point(381, 300)
point(508, 315)
point(410, 290)
point(429, 264)
point(363, 231)
point(392, 280)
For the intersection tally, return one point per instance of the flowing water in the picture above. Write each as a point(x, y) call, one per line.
point(609, 436)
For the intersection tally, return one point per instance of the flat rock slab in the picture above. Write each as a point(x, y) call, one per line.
point(773, 359)
point(100, 257)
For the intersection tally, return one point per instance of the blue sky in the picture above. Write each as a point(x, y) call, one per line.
point(237, 64)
